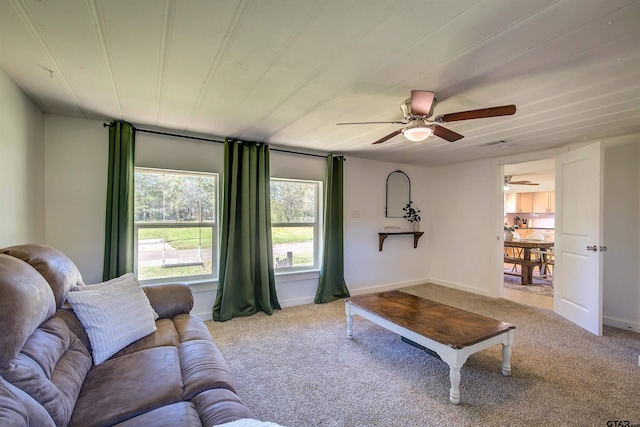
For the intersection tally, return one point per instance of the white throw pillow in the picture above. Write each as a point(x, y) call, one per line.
point(114, 314)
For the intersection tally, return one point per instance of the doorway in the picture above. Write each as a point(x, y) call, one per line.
point(529, 218)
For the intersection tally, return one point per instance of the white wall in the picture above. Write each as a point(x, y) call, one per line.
point(76, 157)
point(465, 235)
point(621, 269)
point(21, 167)
point(398, 264)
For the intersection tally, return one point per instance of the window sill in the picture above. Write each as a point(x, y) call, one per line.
point(281, 277)
point(186, 281)
point(293, 276)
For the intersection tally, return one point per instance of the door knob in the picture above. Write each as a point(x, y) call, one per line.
point(603, 248)
point(593, 248)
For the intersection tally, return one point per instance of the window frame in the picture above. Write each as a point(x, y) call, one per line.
point(213, 225)
point(317, 229)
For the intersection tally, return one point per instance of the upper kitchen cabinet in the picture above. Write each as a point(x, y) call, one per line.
point(544, 202)
point(518, 202)
point(524, 202)
point(510, 203)
point(530, 202)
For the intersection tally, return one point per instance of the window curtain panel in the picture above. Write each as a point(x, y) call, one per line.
point(246, 281)
point(331, 285)
point(118, 241)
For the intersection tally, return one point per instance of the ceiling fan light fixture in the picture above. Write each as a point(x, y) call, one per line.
point(418, 133)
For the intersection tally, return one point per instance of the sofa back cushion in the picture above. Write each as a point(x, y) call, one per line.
point(26, 300)
point(19, 409)
point(51, 368)
point(57, 268)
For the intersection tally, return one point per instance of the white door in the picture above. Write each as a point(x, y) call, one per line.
point(578, 242)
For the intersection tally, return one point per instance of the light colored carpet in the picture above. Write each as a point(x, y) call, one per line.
point(297, 368)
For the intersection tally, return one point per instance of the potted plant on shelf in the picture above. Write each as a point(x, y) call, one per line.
point(508, 232)
point(412, 215)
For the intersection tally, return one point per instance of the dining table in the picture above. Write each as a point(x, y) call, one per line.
point(522, 256)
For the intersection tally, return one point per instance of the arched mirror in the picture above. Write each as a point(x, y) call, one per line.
point(398, 193)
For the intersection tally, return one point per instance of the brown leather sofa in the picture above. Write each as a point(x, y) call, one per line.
point(174, 377)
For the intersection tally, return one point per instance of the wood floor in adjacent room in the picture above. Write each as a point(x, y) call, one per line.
point(527, 298)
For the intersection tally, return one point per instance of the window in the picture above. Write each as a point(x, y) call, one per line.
point(295, 225)
point(176, 227)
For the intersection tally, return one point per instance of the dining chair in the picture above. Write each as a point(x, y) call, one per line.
point(547, 264)
point(516, 252)
point(538, 255)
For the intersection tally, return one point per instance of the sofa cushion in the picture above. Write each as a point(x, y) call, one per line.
point(51, 368)
point(165, 334)
point(181, 414)
point(114, 314)
point(125, 387)
point(169, 300)
point(26, 300)
point(190, 327)
point(19, 409)
point(220, 406)
point(203, 368)
point(57, 268)
point(66, 313)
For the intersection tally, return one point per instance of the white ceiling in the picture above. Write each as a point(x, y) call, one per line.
point(285, 72)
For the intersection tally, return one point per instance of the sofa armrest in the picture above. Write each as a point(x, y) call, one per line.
point(169, 300)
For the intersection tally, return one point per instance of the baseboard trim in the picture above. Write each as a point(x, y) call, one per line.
point(204, 316)
point(462, 287)
point(621, 324)
point(291, 302)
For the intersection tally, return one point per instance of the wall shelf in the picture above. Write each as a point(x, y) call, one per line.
point(416, 236)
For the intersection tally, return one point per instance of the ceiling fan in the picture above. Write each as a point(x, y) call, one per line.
point(508, 182)
point(419, 108)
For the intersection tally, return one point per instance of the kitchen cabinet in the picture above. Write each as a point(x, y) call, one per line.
point(510, 203)
point(524, 202)
point(544, 202)
point(530, 202)
point(541, 202)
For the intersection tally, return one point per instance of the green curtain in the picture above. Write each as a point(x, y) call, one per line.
point(246, 282)
point(118, 239)
point(331, 285)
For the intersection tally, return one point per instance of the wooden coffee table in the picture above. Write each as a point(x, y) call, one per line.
point(452, 333)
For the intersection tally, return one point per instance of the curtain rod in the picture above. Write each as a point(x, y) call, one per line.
point(197, 138)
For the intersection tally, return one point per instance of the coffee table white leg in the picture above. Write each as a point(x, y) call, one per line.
point(506, 359)
point(454, 393)
point(349, 322)
point(506, 353)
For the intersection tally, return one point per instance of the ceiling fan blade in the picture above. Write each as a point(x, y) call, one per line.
point(447, 134)
point(372, 123)
point(422, 102)
point(504, 110)
point(523, 183)
point(391, 135)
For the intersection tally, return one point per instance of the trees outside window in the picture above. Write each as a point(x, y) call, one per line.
point(176, 224)
point(295, 229)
